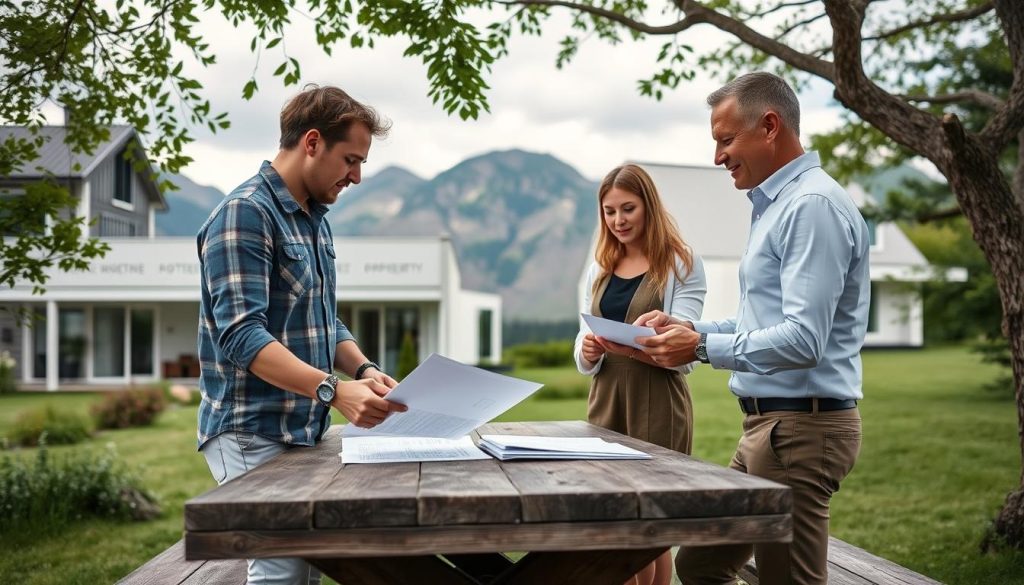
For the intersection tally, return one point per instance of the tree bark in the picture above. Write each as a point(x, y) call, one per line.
point(997, 221)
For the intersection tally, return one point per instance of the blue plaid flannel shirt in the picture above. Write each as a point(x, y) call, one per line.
point(267, 271)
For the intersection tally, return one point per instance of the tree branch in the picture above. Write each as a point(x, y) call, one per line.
point(976, 96)
point(967, 14)
point(1008, 120)
point(800, 23)
point(907, 125)
point(778, 7)
point(781, 51)
point(610, 15)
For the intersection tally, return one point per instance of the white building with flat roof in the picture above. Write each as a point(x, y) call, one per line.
point(133, 315)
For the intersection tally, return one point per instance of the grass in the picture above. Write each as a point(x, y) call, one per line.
point(940, 454)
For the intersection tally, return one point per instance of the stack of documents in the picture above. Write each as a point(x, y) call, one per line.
point(447, 400)
point(507, 447)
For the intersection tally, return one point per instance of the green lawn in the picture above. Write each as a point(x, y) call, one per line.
point(939, 455)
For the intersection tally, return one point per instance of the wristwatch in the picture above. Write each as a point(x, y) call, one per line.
point(362, 369)
point(702, 348)
point(326, 390)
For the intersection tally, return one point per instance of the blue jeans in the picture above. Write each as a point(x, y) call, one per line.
point(233, 453)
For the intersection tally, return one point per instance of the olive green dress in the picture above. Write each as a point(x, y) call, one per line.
point(633, 398)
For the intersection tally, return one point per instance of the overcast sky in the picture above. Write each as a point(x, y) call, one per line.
point(589, 114)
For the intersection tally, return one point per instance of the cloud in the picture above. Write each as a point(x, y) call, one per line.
point(588, 114)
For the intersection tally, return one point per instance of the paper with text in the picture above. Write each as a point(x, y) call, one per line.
point(405, 449)
point(447, 400)
point(621, 333)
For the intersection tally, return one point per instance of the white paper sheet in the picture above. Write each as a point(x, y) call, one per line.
point(447, 400)
point(622, 333)
point(507, 447)
point(405, 449)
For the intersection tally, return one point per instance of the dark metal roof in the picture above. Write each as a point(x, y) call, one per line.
point(56, 159)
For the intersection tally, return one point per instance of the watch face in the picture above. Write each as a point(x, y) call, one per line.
point(325, 392)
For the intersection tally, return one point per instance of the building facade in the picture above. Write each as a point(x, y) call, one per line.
point(133, 316)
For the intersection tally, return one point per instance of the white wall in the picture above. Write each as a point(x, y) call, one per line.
point(464, 345)
point(900, 321)
point(178, 332)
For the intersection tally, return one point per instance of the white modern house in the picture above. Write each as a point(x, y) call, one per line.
point(714, 218)
point(133, 316)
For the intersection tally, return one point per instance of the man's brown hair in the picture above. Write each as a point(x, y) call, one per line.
point(331, 111)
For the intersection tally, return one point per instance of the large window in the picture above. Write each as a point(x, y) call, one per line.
point(484, 328)
point(142, 342)
point(400, 323)
point(873, 310)
point(71, 344)
point(39, 343)
point(368, 333)
point(123, 178)
point(108, 342)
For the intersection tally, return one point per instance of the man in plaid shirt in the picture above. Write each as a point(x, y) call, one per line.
point(269, 335)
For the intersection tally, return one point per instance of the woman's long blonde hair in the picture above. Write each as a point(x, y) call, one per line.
point(661, 244)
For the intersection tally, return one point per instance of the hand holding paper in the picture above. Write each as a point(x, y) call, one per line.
point(621, 333)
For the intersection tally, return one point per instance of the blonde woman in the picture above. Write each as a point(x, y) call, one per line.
point(642, 264)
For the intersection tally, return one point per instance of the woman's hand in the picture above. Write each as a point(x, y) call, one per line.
point(592, 350)
point(654, 319)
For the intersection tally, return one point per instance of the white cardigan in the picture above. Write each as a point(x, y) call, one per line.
point(683, 300)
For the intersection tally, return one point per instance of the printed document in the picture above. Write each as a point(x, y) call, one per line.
point(446, 400)
point(621, 333)
point(507, 447)
point(403, 449)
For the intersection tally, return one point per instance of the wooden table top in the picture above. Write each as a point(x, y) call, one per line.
point(306, 503)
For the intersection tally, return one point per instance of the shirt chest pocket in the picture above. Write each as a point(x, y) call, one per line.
point(295, 273)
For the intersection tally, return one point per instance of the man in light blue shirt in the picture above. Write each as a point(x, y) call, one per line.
point(794, 345)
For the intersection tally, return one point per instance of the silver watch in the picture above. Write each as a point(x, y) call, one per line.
point(702, 348)
point(326, 390)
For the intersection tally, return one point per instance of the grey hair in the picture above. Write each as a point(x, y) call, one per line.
point(758, 92)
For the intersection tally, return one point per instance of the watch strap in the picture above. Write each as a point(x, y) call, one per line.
point(362, 369)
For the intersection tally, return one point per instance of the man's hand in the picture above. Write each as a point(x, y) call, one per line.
point(617, 348)
point(591, 350)
point(379, 377)
point(659, 319)
point(361, 403)
point(672, 346)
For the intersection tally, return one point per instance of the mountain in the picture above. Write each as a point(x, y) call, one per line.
point(187, 208)
point(521, 223)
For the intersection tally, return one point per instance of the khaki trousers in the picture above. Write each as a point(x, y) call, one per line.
point(809, 452)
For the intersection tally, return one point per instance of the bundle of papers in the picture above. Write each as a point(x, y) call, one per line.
point(406, 449)
point(621, 333)
point(505, 447)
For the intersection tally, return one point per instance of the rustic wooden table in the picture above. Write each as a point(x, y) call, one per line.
point(586, 522)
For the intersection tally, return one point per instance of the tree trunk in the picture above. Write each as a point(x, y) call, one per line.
point(997, 221)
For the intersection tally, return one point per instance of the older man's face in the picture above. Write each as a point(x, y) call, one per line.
point(743, 148)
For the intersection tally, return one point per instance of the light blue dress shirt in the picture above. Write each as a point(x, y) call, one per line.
point(804, 291)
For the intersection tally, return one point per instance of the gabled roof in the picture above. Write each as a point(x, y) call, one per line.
point(714, 216)
point(56, 159)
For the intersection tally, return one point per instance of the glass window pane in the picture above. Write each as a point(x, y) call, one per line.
point(142, 342)
point(401, 323)
point(369, 333)
point(71, 344)
point(108, 342)
point(485, 334)
point(39, 343)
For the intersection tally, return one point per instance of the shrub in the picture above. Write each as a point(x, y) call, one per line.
point(559, 393)
point(50, 492)
point(129, 408)
point(59, 427)
point(7, 365)
point(541, 355)
point(407, 360)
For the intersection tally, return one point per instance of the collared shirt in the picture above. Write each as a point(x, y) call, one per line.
point(804, 291)
point(267, 271)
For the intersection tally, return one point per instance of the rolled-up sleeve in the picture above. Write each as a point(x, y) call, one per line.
point(237, 259)
point(341, 332)
point(815, 244)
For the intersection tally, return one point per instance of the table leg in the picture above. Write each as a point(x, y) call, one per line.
point(591, 567)
point(392, 571)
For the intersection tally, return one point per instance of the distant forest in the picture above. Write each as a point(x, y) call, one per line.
point(519, 332)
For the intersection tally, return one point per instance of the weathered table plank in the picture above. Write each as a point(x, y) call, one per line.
point(483, 538)
point(368, 495)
